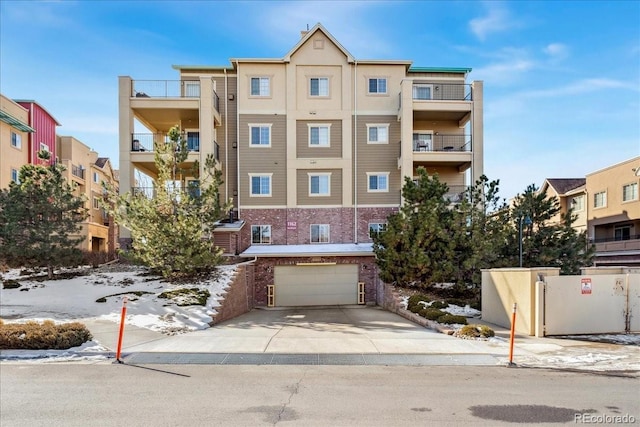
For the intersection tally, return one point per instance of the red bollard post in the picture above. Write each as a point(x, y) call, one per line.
point(513, 334)
point(121, 334)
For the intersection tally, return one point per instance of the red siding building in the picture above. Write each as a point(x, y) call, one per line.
point(45, 130)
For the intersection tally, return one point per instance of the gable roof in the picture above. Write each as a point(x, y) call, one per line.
point(101, 161)
point(563, 185)
point(311, 33)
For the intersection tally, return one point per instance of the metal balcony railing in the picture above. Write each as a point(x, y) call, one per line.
point(456, 193)
point(169, 89)
point(430, 91)
point(77, 171)
point(151, 192)
point(440, 142)
point(146, 142)
point(616, 239)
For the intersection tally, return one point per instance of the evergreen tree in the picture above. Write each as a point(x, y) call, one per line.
point(39, 217)
point(172, 231)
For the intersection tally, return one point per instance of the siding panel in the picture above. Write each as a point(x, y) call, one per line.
point(302, 140)
point(335, 198)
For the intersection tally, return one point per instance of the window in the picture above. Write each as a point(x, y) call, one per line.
point(377, 134)
point(423, 141)
point(96, 177)
point(378, 182)
point(600, 199)
point(622, 232)
point(44, 147)
point(319, 86)
point(193, 188)
point(260, 86)
point(16, 140)
point(193, 141)
point(261, 234)
point(192, 89)
point(422, 91)
point(320, 184)
point(378, 85)
point(260, 135)
point(319, 233)
point(319, 135)
point(630, 192)
point(376, 228)
point(260, 185)
point(15, 177)
point(96, 203)
point(578, 203)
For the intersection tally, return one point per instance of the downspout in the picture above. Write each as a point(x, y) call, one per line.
point(238, 136)
point(226, 135)
point(355, 152)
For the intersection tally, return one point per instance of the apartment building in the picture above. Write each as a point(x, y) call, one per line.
point(14, 137)
point(571, 194)
point(44, 135)
point(88, 172)
point(314, 148)
point(614, 213)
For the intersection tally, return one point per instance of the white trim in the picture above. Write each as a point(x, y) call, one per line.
point(270, 234)
point(605, 199)
point(328, 79)
point(319, 125)
point(429, 144)
point(636, 191)
point(328, 226)
point(261, 175)
point(415, 85)
point(378, 93)
point(259, 125)
point(377, 126)
point(320, 174)
point(378, 223)
point(377, 174)
point(269, 79)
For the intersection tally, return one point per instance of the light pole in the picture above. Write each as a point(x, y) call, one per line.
point(527, 221)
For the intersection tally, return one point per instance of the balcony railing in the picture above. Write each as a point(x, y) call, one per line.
point(444, 143)
point(151, 192)
point(169, 89)
point(456, 193)
point(77, 171)
point(429, 91)
point(626, 243)
point(146, 142)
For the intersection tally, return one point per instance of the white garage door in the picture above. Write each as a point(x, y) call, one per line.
point(316, 285)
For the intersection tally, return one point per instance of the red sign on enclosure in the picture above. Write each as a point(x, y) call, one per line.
point(585, 285)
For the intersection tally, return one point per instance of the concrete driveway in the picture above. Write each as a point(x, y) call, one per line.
point(345, 329)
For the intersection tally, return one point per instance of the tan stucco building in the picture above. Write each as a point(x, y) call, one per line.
point(572, 195)
point(14, 136)
point(314, 148)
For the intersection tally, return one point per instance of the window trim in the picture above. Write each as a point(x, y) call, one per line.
point(378, 78)
point(260, 175)
point(320, 174)
point(573, 203)
point(429, 147)
point(604, 200)
point(377, 174)
point(15, 172)
point(260, 77)
point(95, 204)
point(630, 184)
point(417, 85)
point(260, 231)
point(379, 224)
point(259, 125)
point(16, 140)
point(328, 79)
point(44, 147)
point(319, 125)
point(320, 226)
point(377, 126)
point(95, 177)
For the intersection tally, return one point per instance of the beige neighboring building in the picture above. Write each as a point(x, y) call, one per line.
point(88, 171)
point(14, 137)
point(571, 193)
point(614, 213)
point(314, 148)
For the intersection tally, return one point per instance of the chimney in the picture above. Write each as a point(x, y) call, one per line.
point(303, 33)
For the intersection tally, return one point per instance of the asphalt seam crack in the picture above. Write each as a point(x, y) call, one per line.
point(296, 388)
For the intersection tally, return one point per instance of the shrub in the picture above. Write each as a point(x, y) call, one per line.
point(413, 304)
point(439, 304)
point(449, 319)
point(475, 331)
point(431, 313)
point(457, 301)
point(42, 336)
point(187, 296)
point(11, 284)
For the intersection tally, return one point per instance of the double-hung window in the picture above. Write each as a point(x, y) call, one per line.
point(193, 141)
point(630, 192)
point(319, 184)
point(600, 199)
point(378, 134)
point(319, 86)
point(378, 182)
point(319, 135)
point(261, 234)
point(376, 228)
point(15, 177)
point(260, 135)
point(260, 185)
point(96, 203)
point(578, 203)
point(319, 233)
point(378, 85)
point(16, 140)
point(260, 86)
point(422, 91)
point(96, 178)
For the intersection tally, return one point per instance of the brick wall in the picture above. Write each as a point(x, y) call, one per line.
point(237, 299)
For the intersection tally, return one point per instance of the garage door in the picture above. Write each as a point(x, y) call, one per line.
point(316, 285)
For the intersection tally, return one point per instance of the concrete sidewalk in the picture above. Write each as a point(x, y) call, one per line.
point(352, 335)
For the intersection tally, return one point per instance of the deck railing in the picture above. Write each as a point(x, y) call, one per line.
point(442, 142)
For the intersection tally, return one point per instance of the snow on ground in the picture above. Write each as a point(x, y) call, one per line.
point(70, 299)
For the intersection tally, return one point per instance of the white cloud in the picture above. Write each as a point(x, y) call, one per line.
point(556, 50)
point(581, 87)
point(496, 20)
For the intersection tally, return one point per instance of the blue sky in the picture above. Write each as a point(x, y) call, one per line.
point(561, 78)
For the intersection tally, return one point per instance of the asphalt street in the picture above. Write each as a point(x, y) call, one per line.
point(110, 394)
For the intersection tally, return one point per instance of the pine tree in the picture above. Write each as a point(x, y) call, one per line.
point(39, 217)
point(172, 231)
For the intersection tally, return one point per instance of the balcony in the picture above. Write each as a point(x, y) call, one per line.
point(456, 193)
point(447, 143)
point(613, 244)
point(441, 101)
point(77, 171)
point(146, 142)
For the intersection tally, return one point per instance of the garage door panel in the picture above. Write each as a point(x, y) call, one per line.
point(316, 285)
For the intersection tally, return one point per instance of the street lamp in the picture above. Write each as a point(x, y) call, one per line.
point(526, 221)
